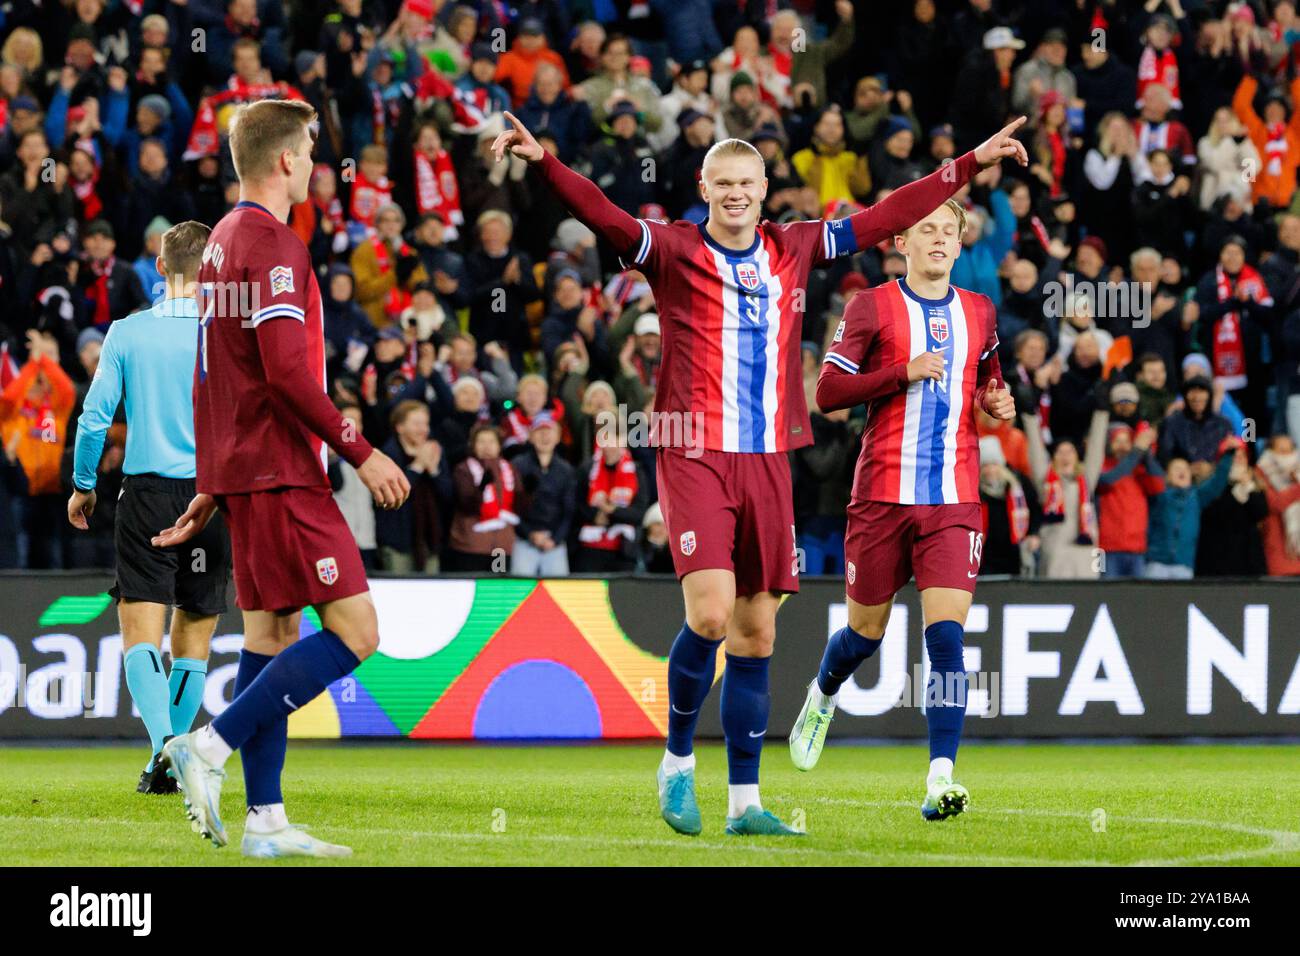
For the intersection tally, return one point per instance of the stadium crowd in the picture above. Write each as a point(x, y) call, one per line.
point(1146, 266)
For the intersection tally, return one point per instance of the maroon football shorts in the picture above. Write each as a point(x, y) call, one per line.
point(886, 543)
point(731, 510)
point(291, 548)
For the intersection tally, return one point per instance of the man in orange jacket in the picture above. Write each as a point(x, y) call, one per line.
point(516, 67)
point(1276, 136)
point(36, 407)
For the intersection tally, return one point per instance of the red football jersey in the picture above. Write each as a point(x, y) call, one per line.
point(920, 445)
point(256, 424)
point(731, 322)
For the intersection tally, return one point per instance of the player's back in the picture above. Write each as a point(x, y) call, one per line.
point(731, 322)
point(255, 270)
point(920, 445)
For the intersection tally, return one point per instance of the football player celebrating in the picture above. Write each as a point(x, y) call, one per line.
point(922, 355)
point(729, 406)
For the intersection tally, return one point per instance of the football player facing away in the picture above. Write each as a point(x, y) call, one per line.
point(261, 424)
point(922, 355)
point(729, 406)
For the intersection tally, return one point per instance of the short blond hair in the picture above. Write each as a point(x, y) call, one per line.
point(261, 131)
point(958, 210)
point(731, 147)
point(182, 249)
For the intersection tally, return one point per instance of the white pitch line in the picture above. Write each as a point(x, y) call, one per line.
point(1280, 841)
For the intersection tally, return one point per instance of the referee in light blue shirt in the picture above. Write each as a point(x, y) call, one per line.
point(148, 361)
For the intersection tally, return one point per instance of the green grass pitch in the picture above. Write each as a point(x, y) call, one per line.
point(576, 805)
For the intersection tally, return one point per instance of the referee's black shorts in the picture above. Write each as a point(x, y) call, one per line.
point(194, 576)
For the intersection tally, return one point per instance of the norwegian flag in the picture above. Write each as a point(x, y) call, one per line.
point(8, 367)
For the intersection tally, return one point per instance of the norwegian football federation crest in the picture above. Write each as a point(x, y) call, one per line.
point(281, 280)
point(939, 327)
point(851, 571)
point(747, 276)
point(687, 543)
point(327, 569)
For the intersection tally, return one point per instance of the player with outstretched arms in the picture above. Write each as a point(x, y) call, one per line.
point(922, 355)
point(729, 293)
point(261, 424)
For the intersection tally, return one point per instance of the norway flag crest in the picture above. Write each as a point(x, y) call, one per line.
point(687, 543)
point(939, 327)
point(747, 276)
point(327, 569)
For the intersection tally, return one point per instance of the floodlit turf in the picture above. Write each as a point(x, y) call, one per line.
point(433, 805)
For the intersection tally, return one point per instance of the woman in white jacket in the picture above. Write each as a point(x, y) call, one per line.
point(1228, 160)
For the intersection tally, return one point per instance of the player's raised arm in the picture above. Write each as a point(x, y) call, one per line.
point(580, 195)
point(913, 202)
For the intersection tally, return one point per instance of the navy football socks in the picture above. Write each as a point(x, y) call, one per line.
point(262, 754)
point(945, 694)
point(844, 652)
point(692, 663)
point(295, 677)
point(745, 705)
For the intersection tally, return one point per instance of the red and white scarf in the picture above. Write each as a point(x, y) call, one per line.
point(1159, 67)
point(1054, 506)
point(1017, 512)
point(496, 508)
point(397, 298)
point(436, 190)
point(1228, 352)
point(1275, 149)
point(619, 485)
point(368, 198)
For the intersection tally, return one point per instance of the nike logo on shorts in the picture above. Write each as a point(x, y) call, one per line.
point(759, 734)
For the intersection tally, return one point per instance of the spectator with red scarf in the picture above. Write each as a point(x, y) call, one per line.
point(531, 401)
point(483, 505)
point(1051, 141)
point(1158, 63)
point(1236, 312)
point(612, 498)
point(372, 188)
point(1066, 484)
point(1277, 138)
point(107, 288)
point(386, 268)
point(436, 188)
point(1011, 516)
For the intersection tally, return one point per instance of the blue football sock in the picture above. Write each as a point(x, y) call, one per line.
point(745, 704)
point(185, 686)
point(945, 694)
point(844, 652)
point(263, 753)
point(147, 682)
point(691, 666)
point(296, 677)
